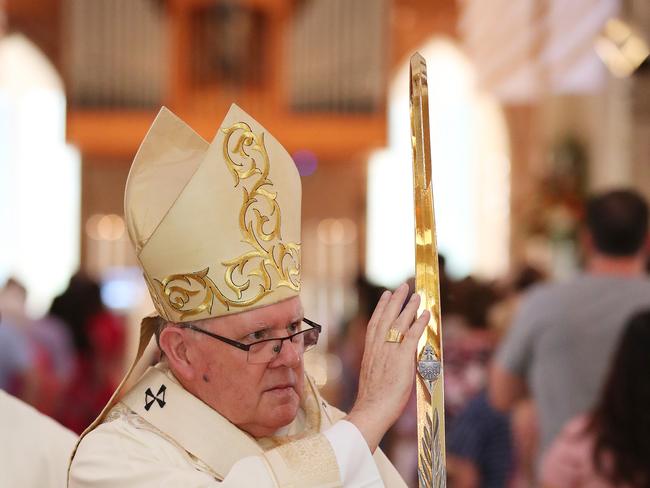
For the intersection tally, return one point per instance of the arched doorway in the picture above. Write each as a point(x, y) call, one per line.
point(39, 175)
point(470, 163)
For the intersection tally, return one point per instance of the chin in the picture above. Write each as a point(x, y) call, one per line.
point(284, 414)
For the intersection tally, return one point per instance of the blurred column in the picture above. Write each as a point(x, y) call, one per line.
point(639, 10)
point(641, 132)
point(39, 175)
point(526, 167)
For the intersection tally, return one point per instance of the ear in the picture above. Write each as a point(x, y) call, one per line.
point(174, 343)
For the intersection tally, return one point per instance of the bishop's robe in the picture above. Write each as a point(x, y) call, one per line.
point(160, 435)
point(34, 449)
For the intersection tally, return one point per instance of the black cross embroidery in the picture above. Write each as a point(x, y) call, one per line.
point(150, 398)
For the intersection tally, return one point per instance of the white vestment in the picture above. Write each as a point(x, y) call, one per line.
point(34, 449)
point(160, 435)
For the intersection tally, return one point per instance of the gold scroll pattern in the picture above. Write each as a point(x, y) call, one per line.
point(260, 226)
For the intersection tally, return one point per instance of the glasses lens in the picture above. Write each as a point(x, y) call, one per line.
point(264, 352)
point(310, 338)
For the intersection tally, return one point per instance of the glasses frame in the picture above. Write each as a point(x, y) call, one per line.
point(246, 347)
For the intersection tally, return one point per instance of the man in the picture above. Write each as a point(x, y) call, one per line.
point(564, 334)
point(216, 228)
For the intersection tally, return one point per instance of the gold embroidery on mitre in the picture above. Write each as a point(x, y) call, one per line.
point(268, 250)
point(260, 226)
point(177, 290)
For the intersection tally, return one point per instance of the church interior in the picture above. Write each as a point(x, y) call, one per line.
point(534, 106)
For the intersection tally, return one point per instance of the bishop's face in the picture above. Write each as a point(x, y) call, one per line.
point(257, 398)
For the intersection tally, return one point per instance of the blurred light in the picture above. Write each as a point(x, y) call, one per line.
point(306, 162)
point(121, 288)
point(110, 227)
point(92, 226)
point(336, 231)
point(621, 48)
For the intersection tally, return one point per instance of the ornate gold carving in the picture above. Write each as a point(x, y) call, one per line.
point(432, 472)
point(179, 289)
point(259, 221)
point(260, 224)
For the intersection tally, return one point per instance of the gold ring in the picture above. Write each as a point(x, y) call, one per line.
point(394, 335)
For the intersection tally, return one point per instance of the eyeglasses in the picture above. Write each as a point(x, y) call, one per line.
point(267, 350)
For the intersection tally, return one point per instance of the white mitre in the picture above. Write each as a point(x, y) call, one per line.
point(216, 227)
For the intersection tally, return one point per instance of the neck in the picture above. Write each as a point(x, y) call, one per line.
point(628, 266)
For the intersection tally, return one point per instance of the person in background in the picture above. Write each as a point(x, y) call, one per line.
point(523, 417)
point(18, 371)
point(502, 314)
point(468, 343)
point(610, 445)
point(99, 341)
point(480, 451)
point(563, 335)
point(486, 447)
point(479, 447)
point(55, 361)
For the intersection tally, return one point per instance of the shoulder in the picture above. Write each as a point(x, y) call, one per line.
point(639, 286)
point(20, 421)
point(121, 438)
point(124, 446)
point(544, 293)
point(544, 301)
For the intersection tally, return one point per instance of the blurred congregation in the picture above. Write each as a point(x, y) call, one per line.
point(540, 120)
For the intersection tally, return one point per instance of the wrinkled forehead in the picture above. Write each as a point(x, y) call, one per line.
point(276, 315)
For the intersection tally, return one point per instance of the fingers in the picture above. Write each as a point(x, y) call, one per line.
point(406, 318)
point(376, 316)
point(391, 311)
point(415, 332)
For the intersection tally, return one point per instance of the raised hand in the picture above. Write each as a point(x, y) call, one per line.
point(387, 368)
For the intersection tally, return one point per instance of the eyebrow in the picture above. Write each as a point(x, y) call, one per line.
point(254, 327)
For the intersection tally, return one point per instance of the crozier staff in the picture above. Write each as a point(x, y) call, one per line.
point(216, 228)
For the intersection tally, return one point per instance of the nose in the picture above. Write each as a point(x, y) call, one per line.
point(289, 355)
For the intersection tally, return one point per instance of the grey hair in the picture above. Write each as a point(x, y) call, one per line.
point(161, 324)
